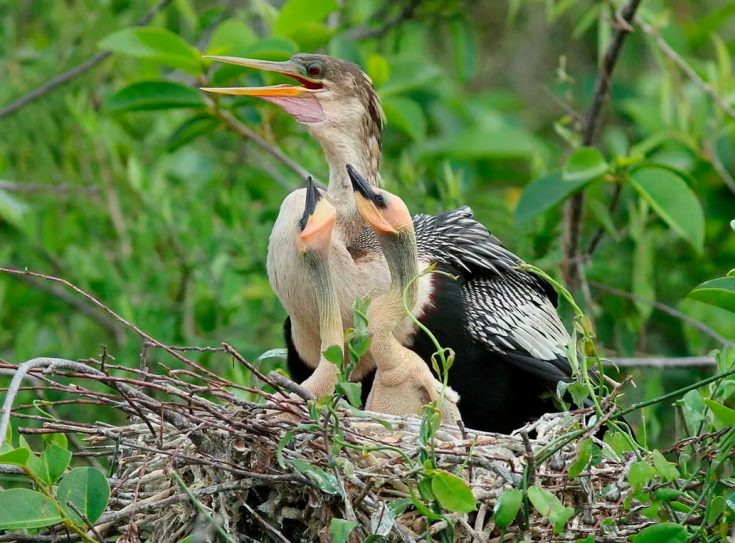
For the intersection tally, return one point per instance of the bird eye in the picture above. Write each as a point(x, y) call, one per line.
point(315, 69)
point(379, 200)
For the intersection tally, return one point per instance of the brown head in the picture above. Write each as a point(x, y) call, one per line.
point(334, 99)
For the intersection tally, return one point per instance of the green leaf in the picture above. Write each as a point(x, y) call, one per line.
point(11, 209)
point(452, 492)
point(584, 164)
point(21, 509)
point(323, 480)
point(584, 454)
point(191, 129)
point(51, 464)
point(333, 354)
point(544, 193)
point(666, 532)
point(640, 474)
point(56, 439)
point(152, 95)
point(87, 488)
point(406, 115)
point(673, 201)
point(718, 292)
point(731, 502)
point(296, 13)
point(507, 506)
point(723, 414)
point(483, 143)
point(231, 37)
point(352, 391)
point(340, 529)
point(156, 44)
point(550, 507)
point(667, 470)
point(16, 457)
point(588, 539)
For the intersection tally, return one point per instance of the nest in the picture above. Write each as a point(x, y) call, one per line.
point(198, 457)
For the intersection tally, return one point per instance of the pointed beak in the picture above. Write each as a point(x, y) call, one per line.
point(287, 68)
point(317, 222)
point(365, 198)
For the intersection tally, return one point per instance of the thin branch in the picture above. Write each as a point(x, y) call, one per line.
point(571, 266)
point(662, 362)
point(248, 133)
point(33, 188)
point(684, 66)
point(90, 311)
point(666, 309)
point(65, 77)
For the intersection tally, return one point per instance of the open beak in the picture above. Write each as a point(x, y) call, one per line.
point(317, 222)
point(365, 198)
point(287, 68)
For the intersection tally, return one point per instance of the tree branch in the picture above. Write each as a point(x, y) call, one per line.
point(662, 362)
point(571, 265)
point(63, 78)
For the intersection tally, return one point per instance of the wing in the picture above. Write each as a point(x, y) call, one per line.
point(511, 315)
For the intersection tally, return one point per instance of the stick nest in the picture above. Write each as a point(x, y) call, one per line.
point(198, 458)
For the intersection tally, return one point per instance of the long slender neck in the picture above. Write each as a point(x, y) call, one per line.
point(330, 319)
point(402, 259)
point(361, 149)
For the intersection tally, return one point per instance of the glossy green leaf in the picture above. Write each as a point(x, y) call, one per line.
point(545, 193)
point(323, 480)
point(16, 457)
point(550, 507)
point(87, 488)
point(296, 13)
point(667, 470)
point(507, 506)
point(722, 413)
point(665, 532)
point(21, 509)
point(583, 165)
point(584, 454)
point(51, 464)
point(340, 529)
point(352, 391)
point(153, 95)
point(406, 115)
point(452, 492)
point(719, 292)
point(156, 44)
point(673, 201)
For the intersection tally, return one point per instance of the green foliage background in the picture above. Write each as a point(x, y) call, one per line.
point(143, 197)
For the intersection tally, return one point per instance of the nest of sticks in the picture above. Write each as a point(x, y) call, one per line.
point(201, 455)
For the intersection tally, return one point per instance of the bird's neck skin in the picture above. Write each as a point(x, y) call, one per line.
point(402, 259)
point(364, 154)
point(330, 319)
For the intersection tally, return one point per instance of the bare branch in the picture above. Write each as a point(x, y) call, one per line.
point(571, 265)
point(662, 362)
point(65, 77)
point(666, 309)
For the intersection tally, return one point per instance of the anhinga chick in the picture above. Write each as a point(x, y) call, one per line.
point(313, 245)
point(403, 382)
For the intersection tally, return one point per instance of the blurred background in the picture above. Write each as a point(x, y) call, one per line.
point(126, 183)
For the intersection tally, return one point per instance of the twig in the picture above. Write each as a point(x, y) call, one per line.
point(571, 267)
point(684, 66)
point(31, 188)
point(278, 535)
point(248, 133)
point(202, 510)
point(65, 77)
point(666, 309)
point(86, 521)
point(291, 386)
point(662, 362)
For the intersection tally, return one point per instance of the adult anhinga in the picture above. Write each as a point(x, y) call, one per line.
point(509, 342)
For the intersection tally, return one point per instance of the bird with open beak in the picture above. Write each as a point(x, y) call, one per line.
point(510, 345)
